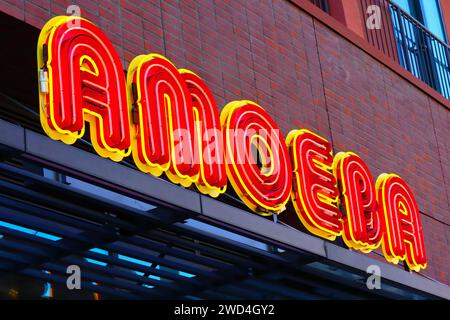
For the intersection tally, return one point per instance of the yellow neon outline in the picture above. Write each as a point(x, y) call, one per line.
point(67, 136)
point(149, 166)
point(95, 72)
point(351, 242)
point(206, 188)
point(245, 194)
point(272, 166)
point(155, 168)
point(381, 183)
point(310, 225)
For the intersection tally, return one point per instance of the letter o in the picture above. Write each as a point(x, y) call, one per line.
point(264, 189)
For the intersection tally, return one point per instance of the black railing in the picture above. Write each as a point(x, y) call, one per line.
point(322, 4)
point(406, 40)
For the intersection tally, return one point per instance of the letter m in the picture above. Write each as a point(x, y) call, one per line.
point(176, 125)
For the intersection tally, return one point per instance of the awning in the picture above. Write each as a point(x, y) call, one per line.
point(139, 237)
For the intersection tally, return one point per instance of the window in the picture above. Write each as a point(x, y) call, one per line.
point(427, 12)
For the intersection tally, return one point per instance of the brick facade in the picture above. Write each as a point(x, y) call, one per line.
point(303, 73)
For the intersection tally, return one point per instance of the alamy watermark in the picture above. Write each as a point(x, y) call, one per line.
point(373, 22)
point(74, 11)
point(73, 281)
point(374, 280)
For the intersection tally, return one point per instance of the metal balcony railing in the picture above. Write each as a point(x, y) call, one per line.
point(406, 40)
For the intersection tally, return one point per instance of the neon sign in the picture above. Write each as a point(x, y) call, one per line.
point(85, 83)
point(315, 193)
point(403, 239)
point(167, 119)
point(264, 190)
point(362, 224)
point(176, 126)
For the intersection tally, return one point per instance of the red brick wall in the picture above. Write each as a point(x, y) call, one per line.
point(303, 73)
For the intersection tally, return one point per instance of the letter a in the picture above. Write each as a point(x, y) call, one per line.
point(85, 83)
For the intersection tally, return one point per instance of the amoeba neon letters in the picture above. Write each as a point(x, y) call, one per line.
point(168, 120)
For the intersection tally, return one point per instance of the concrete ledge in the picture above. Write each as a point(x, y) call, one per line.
point(255, 224)
point(388, 271)
point(12, 136)
point(91, 164)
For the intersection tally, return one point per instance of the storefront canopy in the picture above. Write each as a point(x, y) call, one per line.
point(139, 237)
